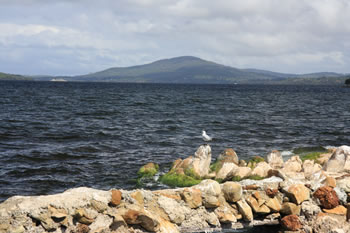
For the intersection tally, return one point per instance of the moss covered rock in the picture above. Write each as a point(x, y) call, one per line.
point(148, 170)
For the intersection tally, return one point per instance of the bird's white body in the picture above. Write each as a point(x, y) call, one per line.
point(205, 136)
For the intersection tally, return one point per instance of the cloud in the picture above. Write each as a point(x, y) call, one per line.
point(77, 37)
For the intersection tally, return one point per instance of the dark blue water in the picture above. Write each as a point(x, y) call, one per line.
point(55, 136)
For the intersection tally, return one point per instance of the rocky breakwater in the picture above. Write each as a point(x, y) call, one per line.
point(299, 195)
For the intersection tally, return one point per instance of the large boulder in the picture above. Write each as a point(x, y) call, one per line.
point(292, 165)
point(227, 171)
point(243, 172)
point(232, 191)
point(261, 169)
point(228, 156)
point(245, 210)
point(275, 160)
point(310, 167)
point(202, 160)
point(193, 197)
point(339, 161)
point(211, 191)
point(297, 193)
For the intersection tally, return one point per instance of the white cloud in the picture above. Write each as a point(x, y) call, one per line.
point(288, 36)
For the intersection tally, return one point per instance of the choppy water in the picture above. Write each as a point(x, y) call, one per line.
point(55, 136)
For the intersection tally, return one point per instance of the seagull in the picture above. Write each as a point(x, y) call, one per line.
point(205, 136)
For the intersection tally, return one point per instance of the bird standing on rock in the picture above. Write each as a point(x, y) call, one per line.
point(206, 137)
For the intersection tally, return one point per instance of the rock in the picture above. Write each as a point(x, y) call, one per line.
point(309, 209)
point(118, 221)
point(98, 206)
point(261, 169)
point(232, 191)
point(271, 192)
point(292, 165)
point(116, 197)
point(137, 195)
point(340, 210)
point(309, 167)
point(225, 214)
point(211, 191)
point(193, 197)
point(339, 161)
point(82, 216)
point(198, 220)
point(275, 160)
point(254, 204)
point(298, 193)
point(243, 172)
point(242, 163)
point(291, 223)
point(227, 171)
point(148, 170)
point(323, 158)
point(202, 160)
point(327, 197)
point(101, 222)
point(45, 220)
point(343, 197)
point(81, 228)
point(289, 208)
point(344, 184)
point(274, 204)
point(228, 156)
point(176, 211)
point(330, 181)
point(245, 210)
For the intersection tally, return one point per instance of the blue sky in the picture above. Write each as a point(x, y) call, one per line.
point(70, 37)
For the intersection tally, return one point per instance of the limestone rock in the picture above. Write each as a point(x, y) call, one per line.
point(298, 193)
point(193, 197)
point(310, 209)
point(275, 160)
point(228, 156)
point(261, 169)
point(177, 212)
point(211, 191)
point(339, 161)
point(291, 223)
point(256, 207)
point(330, 181)
point(340, 210)
point(245, 210)
point(232, 191)
point(327, 197)
point(82, 216)
point(202, 160)
point(243, 172)
point(101, 222)
point(116, 197)
point(310, 167)
point(289, 208)
point(323, 158)
point(98, 206)
point(344, 184)
point(227, 171)
point(292, 165)
point(274, 204)
point(225, 214)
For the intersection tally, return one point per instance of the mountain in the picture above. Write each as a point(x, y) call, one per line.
point(188, 69)
point(5, 76)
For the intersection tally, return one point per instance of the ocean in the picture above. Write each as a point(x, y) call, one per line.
point(59, 135)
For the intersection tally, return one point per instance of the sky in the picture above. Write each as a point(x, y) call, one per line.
point(73, 37)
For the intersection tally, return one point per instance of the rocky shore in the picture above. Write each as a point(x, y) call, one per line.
point(303, 194)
